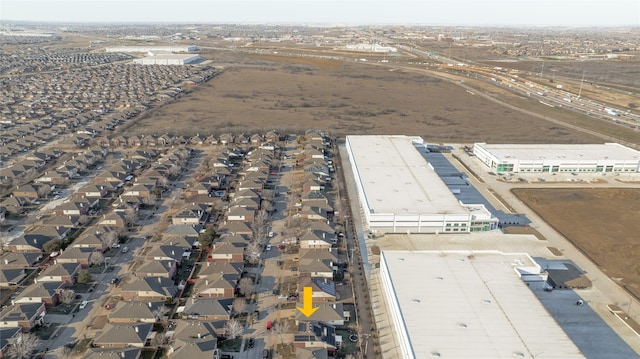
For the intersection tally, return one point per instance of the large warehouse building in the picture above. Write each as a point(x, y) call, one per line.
point(400, 192)
point(167, 59)
point(190, 48)
point(469, 304)
point(608, 157)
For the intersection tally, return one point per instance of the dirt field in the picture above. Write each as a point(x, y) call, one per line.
point(294, 94)
point(603, 223)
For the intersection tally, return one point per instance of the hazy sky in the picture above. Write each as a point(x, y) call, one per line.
point(353, 12)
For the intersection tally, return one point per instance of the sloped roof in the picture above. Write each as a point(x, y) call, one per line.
point(123, 334)
point(97, 353)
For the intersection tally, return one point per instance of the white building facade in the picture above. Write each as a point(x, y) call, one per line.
point(608, 157)
point(400, 192)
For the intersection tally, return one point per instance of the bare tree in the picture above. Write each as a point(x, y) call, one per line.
point(239, 305)
point(280, 330)
point(259, 226)
point(246, 286)
point(174, 171)
point(360, 333)
point(109, 238)
point(43, 191)
point(130, 215)
point(163, 182)
point(160, 312)
point(67, 296)
point(84, 219)
point(23, 346)
point(233, 329)
point(96, 258)
point(253, 251)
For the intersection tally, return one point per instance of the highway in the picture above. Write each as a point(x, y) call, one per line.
point(549, 96)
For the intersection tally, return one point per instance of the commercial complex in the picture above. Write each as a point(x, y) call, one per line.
point(190, 48)
point(608, 157)
point(167, 59)
point(469, 304)
point(400, 192)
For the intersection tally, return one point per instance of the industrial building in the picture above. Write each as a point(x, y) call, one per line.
point(189, 48)
point(400, 192)
point(371, 48)
point(167, 59)
point(608, 157)
point(469, 304)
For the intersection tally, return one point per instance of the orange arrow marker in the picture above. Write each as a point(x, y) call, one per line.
point(307, 302)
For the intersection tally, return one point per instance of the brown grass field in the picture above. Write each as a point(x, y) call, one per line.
point(294, 94)
point(602, 223)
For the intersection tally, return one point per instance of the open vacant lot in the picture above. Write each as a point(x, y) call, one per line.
point(294, 94)
point(603, 223)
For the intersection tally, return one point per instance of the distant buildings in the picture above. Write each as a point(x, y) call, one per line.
point(189, 48)
point(371, 48)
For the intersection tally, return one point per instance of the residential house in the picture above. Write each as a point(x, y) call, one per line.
point(60, 272)
point(27, 191)
point(91, 240)
point(136, 312)
point(98, 353)
point(209, 309)
point(115, 219)
point(75, 207)
point(235, 227)
point(191, 214)
point(215, 285)
point(317, 239)
point(10, 277)
point(148, 289)
point(316, 268)
point(312, 353)
point(329, 313)
point(19, 260)
point(62, 221)
point(157, 268)
point(165, 252)
point(226, 252)
point(77, 255)
point(93, 191)
point(45, 292)
point(7, 336)
point(241, 214)
point(123, 335)
point(23, 315)
point(318, 338)
point(13, 204)
point(323, 289)
point(194, 339)
point(208, 268)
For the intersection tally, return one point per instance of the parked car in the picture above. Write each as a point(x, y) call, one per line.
point(251, 343)
point(125, 249)
point(109, 306)
point(115, 245)
point(268, 247)
point(83, 304)
point(266, 354)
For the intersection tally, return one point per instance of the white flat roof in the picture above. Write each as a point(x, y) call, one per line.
point(610, 151)
point(472, 304)
point(397, 179)
point(171, 56)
